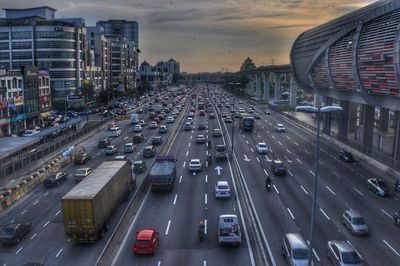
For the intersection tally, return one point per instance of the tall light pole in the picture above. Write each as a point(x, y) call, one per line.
point(318, 111)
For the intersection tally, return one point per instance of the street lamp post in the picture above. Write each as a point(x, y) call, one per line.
point(318, 111)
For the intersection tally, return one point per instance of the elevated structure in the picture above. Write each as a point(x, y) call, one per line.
point(354, 61)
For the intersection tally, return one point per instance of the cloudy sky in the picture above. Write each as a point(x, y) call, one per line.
point(208, 35)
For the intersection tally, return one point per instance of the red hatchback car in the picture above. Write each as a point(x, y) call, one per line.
point(146, 241)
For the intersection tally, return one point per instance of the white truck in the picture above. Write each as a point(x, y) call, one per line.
point(134, 119)
point(229, 230)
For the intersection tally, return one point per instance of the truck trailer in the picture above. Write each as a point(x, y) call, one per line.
point(246, 122)
point(162, 174)
point(88, 206)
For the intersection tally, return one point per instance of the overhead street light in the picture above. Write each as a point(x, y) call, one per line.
point(318, 111)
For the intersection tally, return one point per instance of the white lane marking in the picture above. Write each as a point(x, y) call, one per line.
point(297, 144)
point(45, 194)
point(271, 150)
point(397, 253)
point(251, 149)
point(166, 231)
point(194, 173)
point(46, 223)
point(22, 213)
point(311, 172)
point(243, 135)
point(191, 137)
point(288, 137)
point(290, 173)
point(205, 198)
point(387, 214)
point(276, 189)
point(189, 144)
point(288, 151)
point(247, 141)
point(359, 192)
point(35, 202)
point(299, 161)
point(259, 136)
point(330, 190)
point(12, 221)
point(315, 254)
point(187, 153)
point(19, 250)
point(58, 212)
point(290, 213)
point(59, 252)
point(279, 143)
point(327, 217)
point(206, 178)
point(204, 263)
point(176, 196)
point(305, 191)
point(273, 137)
point(258, 160)
point(125, 138)
point(265, 171)
point(306, 151)
point(206, 152)
point(159, 263)
point(32, 237)
point(180, 179)
point(321, 162)
point(205, 226)
point(184, 164)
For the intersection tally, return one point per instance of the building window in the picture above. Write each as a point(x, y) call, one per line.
point(19, 35)
point(55, 44)
point(21, 45)
point(55, 54)
point(21, 63)
point(20, 84)
point(4, 46)
point(5, 56)
point(4, 36)
point(22, 55)
point(55, 35)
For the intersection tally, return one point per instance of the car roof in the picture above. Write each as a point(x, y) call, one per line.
point(195, 160)
point(145, 234)
point(296, 241)
point(137, 162)
point(85, 168)
point(342, 246)
point(353, 213)
point(149, 147)
point(278, 161)
point(262, 143)
point(129, 144)
point(120, 157)
point(279, 125)
point(222, 183)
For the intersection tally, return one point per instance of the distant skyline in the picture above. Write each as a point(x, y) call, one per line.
point(208, 35)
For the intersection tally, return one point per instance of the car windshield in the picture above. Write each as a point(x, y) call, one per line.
point(300, 253)
point(350, 258)
point(52, 177)
point(223, 187)
point(81, 171)
point(358, 221)
point(220, 148)
point(262, 145)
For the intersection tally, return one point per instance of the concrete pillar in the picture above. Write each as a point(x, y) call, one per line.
point(277, 86)
point(327, 117)
point(396, 141)
point(292, 92)
point(343, 125)
point(384, 119)
point(248, 85)
point(367, 117)
point(352, 117)
point(258, 85)
point(265, 78)
point(317, 100)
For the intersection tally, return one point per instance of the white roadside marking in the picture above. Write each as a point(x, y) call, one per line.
point(306, 151)
point(45, 194)
point(288, 137)
point(125, 138)
point(176, 196)
point(169, 224)
point(397, 253)
point(290, 213)
point(32, 237)
point(330, 190)
point(189, 144)
point(46, 223)
point(327, 217)
point(265, 171)
point(191, 137)
point(315, 254)
point(273, 136)
point(35, 202)
point(180, 179)
point(259, 136)
point(58, 212)
point(305, 191)
point(247, 142)
point(297, 144)
point(251, 149)
point(22, 213)
point(359, 192)
point(59, 252)
point(19, 250)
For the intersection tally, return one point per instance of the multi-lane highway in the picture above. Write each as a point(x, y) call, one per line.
point(265, 217)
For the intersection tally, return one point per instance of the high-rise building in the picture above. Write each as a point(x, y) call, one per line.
point(32, 37)
point(123, 28)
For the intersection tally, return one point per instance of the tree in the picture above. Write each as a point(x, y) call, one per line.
point(243, 80)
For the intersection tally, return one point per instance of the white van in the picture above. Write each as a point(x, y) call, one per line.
point(115, 132)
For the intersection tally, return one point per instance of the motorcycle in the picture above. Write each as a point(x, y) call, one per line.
point(396, 186)
point(209, 160)
point(396, 218)
point(201, 234)
point(268, 187)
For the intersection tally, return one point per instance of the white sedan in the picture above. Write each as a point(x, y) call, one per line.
point(280, 128)
point(153, 124)
point(137, 128)
point(262, 148)
point(170, 119)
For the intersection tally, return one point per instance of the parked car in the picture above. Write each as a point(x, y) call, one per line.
point(55, 179)
point(280, 128)
point(355, 222)
point(138, 138)
point(149, 151)
point(13, 233)
point(379, 187)
point(104, 143)
point(81, 173)
point(129, 147)
point(195, 165)
point(346, 156)
point(146, 241)
point(343, 253)
point(139, 167)
point(111, 150)
point(82, 159)
point(222, 190)
point(262, 148)
point(156, 140)
point(278, 168)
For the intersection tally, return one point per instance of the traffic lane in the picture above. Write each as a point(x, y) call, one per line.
point(272, 211)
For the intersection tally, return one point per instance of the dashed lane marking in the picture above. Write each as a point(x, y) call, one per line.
point(290, 213)
point(305, 191)
point(330, 190)
point(326, 216)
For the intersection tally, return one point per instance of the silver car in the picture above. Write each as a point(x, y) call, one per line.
point(343, 253)
point(295, 250)
point(354, 222)
point(195, 165)
point(222, 190)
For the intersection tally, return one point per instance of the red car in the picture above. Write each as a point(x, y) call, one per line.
point(146, 241)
